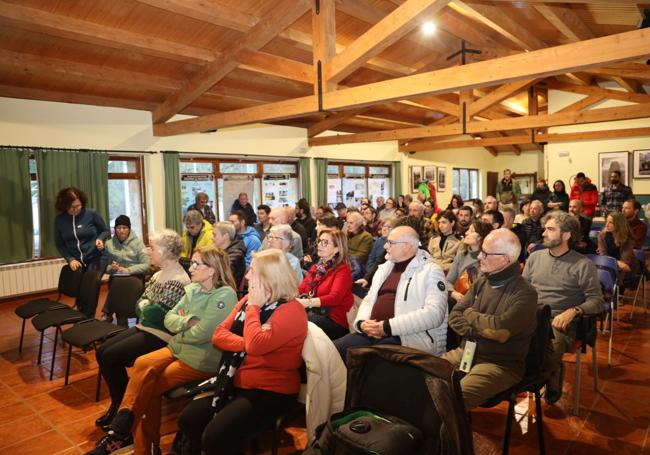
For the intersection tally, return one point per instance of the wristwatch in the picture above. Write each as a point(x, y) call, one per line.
point(578, 311)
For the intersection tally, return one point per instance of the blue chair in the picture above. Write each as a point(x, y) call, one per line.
point(607, 268)
point(609, 264)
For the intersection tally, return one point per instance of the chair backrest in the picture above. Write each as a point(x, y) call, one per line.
point(593, 234)
point(607, 263)
point(123, 295)
point(89, 289)
point(69, 281)
point(538, 353)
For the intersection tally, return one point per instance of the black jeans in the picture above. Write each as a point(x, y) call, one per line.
point(119, 352)
point(331, 328)
point(239, 420)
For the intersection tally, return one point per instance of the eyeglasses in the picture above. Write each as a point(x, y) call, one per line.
point(274, 237)
point(197, 264)
point(483, 254)
point(393, 242)
point(323, 242)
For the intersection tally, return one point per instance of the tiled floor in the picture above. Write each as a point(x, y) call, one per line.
point(38, 416)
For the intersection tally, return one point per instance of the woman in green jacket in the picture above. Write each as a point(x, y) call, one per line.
point(188, 356)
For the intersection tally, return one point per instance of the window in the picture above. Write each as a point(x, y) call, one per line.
point(126, 193)
point(273, 183)
point(349, 183)
point(465, 183)
point(35, 215)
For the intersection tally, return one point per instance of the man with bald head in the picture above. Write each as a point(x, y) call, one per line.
point(278, 217)
point(406, 303)
point(498, 313)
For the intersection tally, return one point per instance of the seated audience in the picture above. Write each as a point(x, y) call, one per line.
point(162, 293)
point(341, 213)
point(533, 226)
point(359, 244)
point(444, 246)
point(464, 270)
point(79, 232)
point(326, 291)
point(494, 217)
point(378, 253)
point(373, 224)
point(241, 203)
point(582, 243)
point(297, 226)
point(566, 281)
point(508, 214)
point(406, 303)
point(281, 238)
point(188, 356)
point(558, 199)
point(388, 211)
point(278, 217)
point(541, 194)
point(638, 228)
point(499, 314)
point(424, 227)
point(262, 340)
point(326, 221)
point(201, 204)
point(615, 240)
point(247, 234)
point(490, 204)
point(455, 204)
point(524, 208)
point(264, 225)
point(380, 203)
point(464, 219)
point(198, 233)
point(303, 215)
point(125, 251)
point(477, 208)
point(225, 238)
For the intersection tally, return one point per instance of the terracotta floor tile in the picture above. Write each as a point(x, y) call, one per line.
point(20, 429)
point(17, 411)
point(49, 442)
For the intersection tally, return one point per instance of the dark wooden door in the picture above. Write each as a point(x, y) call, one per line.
point(492, 180)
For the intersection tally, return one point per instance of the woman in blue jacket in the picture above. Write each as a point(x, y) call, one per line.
point(79, 232)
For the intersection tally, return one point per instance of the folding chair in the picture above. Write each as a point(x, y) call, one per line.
point(608, 277)
point(69, 282)
point(122, 298)
point(586, 336)
point(610, 265)
point(88, 296)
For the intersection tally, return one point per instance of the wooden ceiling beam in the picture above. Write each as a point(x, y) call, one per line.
point(275, 65)
point(427, 146)
point(566, 21)
point(323, 24)
point(597, 52)
point(498, 95)
point(640, 73)
point(333, 121)
point(381, 35)
point(629, 85)
point(283, 14)
point(584, 103)
point(595, 90)
point(527, 122)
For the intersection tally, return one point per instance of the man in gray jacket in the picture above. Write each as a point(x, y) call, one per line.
point(406, 303)
point(567, 282)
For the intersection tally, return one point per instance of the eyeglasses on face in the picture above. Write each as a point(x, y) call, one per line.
point(483, 254)
point(394, 242)
point(274, 237)
point(323, 242)
point(196, 264)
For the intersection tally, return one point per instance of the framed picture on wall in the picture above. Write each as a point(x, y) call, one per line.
point(526, 182)
point(641, 164)
point(442, 178)
point(613, 161)
point(416, 178)
point(429, 173)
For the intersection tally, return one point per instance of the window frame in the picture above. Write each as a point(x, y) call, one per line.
point(138, 175)
point(456, 177)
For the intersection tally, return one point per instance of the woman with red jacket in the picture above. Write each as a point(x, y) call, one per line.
point(259, 377)
point(326, 291)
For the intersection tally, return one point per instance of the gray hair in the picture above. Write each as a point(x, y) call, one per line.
point(193, 217)
point(168, 243)
point(507, 242)
point(284, 231)
point(566, 222)
point(201, 195)
point(417, 204)
point(356, 216)
point(537, 202)
point(225, 227)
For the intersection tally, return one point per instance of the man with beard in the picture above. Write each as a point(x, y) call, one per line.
point(583, 243)
point(566, 281)
point(464, 220)
point(508, 191)
point(532, 225)
point(613, 197)
point(631, 209)
point(406, 303)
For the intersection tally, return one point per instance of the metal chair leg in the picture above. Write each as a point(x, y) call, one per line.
point(540, 423)
point(22, 336)
point(40, 348)
point(609, 349)
point(56, 339)
point(67, 366)
point(511, 413)
point(594, 366)
point(576, 391)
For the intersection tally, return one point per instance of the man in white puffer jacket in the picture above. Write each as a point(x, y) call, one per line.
point(406, 303)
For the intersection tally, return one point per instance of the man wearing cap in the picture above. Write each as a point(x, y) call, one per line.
point(125, 250)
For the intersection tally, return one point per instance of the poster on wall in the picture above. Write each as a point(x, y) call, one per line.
point(334, 192)
point(191, 184)
point(416, 178)
point(354, 189)
point(642, 164)
point(277, 190)
point(377, 187)
point(442, 178)
point(613, 161)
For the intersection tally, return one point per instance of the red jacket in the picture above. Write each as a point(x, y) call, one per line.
point(335, 291)
point(588, 194)
point(273, 356)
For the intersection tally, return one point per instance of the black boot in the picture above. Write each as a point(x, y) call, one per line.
point(105, 420)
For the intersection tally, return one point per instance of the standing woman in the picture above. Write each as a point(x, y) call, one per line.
point(163, 292)
point(616, 241)
point(558, 199)
point(188, 356)
point(444, 246)
point(79, 232)
point(259, 377)
point(326, 291)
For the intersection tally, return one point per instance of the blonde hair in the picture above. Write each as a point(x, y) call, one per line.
point(273, 268)
point(218, 260)
point(341, 242)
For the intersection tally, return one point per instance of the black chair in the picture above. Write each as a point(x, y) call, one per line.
point(122, 298)
point(57, 317)
point(69, 283)
point(534, 379)
point(586, 335)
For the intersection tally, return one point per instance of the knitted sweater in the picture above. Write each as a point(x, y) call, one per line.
point(164, 291)
point(565, 281)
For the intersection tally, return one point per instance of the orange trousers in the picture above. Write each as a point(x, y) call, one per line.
point(151, 376)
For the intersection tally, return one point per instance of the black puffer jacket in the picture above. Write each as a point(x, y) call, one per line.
point(237, 254)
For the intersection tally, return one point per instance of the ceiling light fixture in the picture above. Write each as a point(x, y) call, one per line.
point(428, 28)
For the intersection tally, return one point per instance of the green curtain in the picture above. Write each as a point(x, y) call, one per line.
point(173, 209)
point(15, 206)
point(321, 180)
point(305, 178)
point(397, 178)
point(59, 169)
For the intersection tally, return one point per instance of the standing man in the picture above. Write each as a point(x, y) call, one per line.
point(264, 226)
point(201, 204)
point(631, 209)
point(249, 236)
point(613, 197)
point(583, 243)
point(566, 281)
point(587, 192)
point(508, 191)
point(242, 204)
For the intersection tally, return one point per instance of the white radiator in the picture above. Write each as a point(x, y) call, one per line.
point(28, 277)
